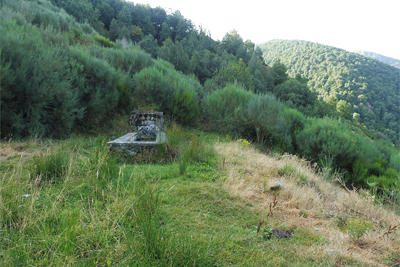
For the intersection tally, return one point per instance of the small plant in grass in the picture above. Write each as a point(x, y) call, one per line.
point(265, 232)
point(51, 166)
point(272, 205)
point(356, 228)
point(265, 181)
point(287, 170)
point(244, 142)
point(303, 178)
point(303, 214)
point(195, 151)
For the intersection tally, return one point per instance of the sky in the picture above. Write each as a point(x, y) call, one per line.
point(368, 25)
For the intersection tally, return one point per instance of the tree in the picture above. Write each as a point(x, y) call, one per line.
point(114, 30)
point(175, 54)
point(235, 72)
point(233, 44)
point(106, 13)
point(149, 44)
point(294, 93)
point(344, 109)
point(279, 72)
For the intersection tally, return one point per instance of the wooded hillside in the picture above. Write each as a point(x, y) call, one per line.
point(339, 77)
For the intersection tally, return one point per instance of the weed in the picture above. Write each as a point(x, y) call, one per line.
point(244, 142)
point(271, 206)
point(287, 170)
point(356, 228)
point(303, 214)
point(51, 166)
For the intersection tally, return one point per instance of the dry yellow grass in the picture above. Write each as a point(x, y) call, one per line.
point(326, 203)
point(10, 150)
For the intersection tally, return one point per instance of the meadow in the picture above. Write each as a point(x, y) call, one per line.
point(202, 200)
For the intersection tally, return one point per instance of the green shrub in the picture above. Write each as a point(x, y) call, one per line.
point(235, 72)
point(160, 84)
point(37, 96)
point(130, 59)
point(98, 83)
point(359, 173)
point(104, 41)
point(382, 182)
point(293, 123)
point(263, 114)
point(327, 138)
point(378, 167)
point(356, 228)
point(223, 108)
point(184, 107)
point(395, 161)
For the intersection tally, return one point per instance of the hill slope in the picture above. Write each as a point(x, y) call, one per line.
point(370, 86)
point(387, 60)
point(100, 212)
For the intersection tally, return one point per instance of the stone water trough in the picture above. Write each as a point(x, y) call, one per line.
point(148, 132)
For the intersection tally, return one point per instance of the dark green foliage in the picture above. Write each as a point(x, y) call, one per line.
point(327, 139)
point(223, 108)
point(359, 175)
point(37, 97)
point(295, 94)
point(184, 107)
point(149, 44)
point(175, 54)
point(259, 74)
point(235, 72)
point(99, 82)
point(279, 72)
point(293, 123)
point(153, 86)
point(395, 161)
point(263, 114)
point(378, 167)
point(233, 44)
point(175, 93)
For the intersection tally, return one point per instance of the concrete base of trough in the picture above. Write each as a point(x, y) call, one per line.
point(127, 144)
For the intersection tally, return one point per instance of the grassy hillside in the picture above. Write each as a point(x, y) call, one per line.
point(203, 199)
point(71, 203)
point(370, 86)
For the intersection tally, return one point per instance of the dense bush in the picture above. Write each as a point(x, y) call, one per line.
point(37, 95)
point(98, 82)
point(327, 139)
point(184, 107)
point(263, 114)
point(176, 94)
point(223, 109)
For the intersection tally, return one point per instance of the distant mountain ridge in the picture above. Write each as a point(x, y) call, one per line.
point(387, 60)
point(369, 85)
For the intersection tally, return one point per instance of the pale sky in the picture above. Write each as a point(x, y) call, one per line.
point(371, 25)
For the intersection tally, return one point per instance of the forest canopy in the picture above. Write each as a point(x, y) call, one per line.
point(360, 87)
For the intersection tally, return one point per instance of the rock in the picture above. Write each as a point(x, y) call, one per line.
point(316, 228)
point(331, 251)
point(278, 186)
point(282, 233)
